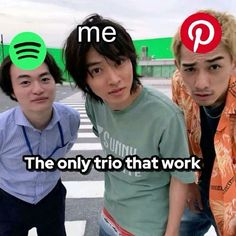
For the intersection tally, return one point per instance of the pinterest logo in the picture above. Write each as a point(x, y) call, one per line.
point(201, 32)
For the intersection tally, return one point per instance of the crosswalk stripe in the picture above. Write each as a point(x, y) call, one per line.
point(86, 146)
point(74, 104)
point(84, 189)
point(83, 115)
point(86, 135)
point(85, 127)
point(78, 108)
point(84, 120)
point(73, 228)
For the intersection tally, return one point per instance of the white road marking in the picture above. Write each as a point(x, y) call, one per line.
point(85, 127)
point(86, 146)
point(84, 189)
point(83, 115)
point(73, 228)
point(86, 135)
point(84, 120)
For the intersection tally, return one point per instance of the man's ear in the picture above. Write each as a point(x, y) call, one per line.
point(234, 68)
point(176, 64)
point(13, 96)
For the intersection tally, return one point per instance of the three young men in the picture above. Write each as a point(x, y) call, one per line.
point(123, 116)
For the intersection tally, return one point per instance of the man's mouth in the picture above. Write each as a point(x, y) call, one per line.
point(41, 99)
point(116, 91)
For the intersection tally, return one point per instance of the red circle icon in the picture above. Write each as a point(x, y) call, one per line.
point(201, 32)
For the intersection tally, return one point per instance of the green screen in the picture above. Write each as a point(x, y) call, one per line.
point(158, 48)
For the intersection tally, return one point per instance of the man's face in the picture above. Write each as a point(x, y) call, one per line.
point(33, 89)
point(206, 75)
point(110, 81)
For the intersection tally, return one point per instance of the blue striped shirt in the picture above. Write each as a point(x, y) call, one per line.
point(32, 186)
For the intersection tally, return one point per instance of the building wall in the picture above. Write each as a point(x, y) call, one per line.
point(158, 49)
point(158, 71)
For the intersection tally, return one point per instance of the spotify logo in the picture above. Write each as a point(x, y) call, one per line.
point(27, 50)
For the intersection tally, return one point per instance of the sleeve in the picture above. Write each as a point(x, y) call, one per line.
point(75, 124)
point(181, 98)
point(174, 145)
point(175, 87)
point(90, 113)
point(1, 141)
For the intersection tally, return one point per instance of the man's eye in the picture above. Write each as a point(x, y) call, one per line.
point(45, 79)
point(25, 83)
point(189, 69)
point(95, 71)
point(215, 67)
point(120, 61)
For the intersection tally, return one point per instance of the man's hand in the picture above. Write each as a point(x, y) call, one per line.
point(232, 221)
point(194, 201)
point(232, 226)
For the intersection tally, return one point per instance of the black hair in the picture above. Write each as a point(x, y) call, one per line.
point(75, 52)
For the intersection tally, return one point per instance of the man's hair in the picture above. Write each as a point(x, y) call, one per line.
point(228, 40)
point(75, 52)
point(5, 77)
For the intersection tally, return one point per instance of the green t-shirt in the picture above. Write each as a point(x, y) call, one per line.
point(151, 125)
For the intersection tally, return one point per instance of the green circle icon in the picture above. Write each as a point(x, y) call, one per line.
point(27, 50)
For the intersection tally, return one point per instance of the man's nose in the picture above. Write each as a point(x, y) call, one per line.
point(37, 87)
point(113, 76)
point(202, 81)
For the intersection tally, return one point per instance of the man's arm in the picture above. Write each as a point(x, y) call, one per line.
point(232, 226)
point(177, 200)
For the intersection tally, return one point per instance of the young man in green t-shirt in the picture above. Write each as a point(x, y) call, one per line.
point(130, 119)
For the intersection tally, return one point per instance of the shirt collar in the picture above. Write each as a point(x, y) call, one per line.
point(21, 120)
point(231, 96)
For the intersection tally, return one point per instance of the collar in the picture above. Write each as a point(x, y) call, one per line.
point(231, 96)
point(21, 120)
point(229, 111)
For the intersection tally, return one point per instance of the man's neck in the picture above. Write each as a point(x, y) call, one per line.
point(221, 100)
point(39, 120)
